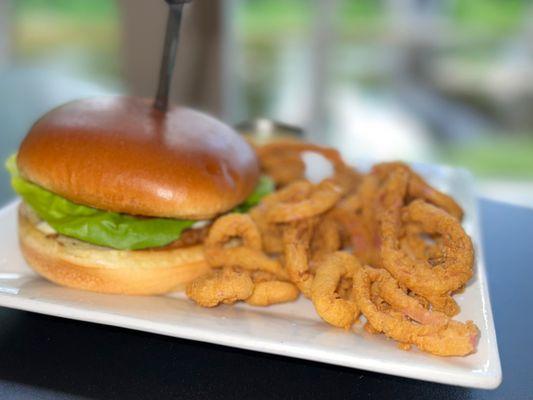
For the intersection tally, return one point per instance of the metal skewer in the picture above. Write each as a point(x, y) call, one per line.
point(169, 52)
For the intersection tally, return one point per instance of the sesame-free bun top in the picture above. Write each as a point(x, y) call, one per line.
point(119, 154)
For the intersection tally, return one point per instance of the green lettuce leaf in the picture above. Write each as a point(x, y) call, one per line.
point(105, 228)
point(264, 187)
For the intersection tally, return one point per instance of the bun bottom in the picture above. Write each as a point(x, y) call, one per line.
point(80, 265)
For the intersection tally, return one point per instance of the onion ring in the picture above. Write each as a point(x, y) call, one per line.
point(419, 188)
point(270, 233)
point(330, 306)
point(220, 286)
point(246, 258)
point(272, 292)
point(458, 339)
point(234, 226)
point(347, 178)
point(454, 339)
point(391, 324)
point(391, 293)
point(326, 239)
point(355, 218)
point(418, 244)
point(248, 255)
point(318, 199)
point(296, 243)
point(434, 282)
point(282, 161)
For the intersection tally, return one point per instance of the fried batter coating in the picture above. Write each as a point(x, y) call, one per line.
point(272, 292)
point(296, 244)
point(231, 226)
point(419, 244)
point(326, 239)
point(458, 339)
point(354, 216)
point(347, 178)
point(451, 339)
point(248, 255)
point(419, 189)
point(314, 238)
point(434, 282)
point(393, 324)
point(389, 290)
point(287, 205)
point(245, 258)
point(220, 286)
point(282, 160)
point(329, 304)
point(271, 233)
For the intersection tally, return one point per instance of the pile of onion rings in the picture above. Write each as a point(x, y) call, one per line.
point(240, 269)
point(384, 246)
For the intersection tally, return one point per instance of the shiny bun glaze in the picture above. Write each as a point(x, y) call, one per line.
point(119, 154)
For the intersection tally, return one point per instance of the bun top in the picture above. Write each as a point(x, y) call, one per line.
point(119, 154)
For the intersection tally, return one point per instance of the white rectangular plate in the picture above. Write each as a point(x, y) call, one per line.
point(292, 329)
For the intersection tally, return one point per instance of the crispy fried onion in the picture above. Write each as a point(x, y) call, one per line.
point(326, 239)
point(329, 302)
point(234, 243)
point(419, 244)
point(439, 336)
point(272, 292)
point(234, 240)
point(296, 244)
point(356, 223)
point(389, 290)
point(418, 188)
point(225, 285)
point(301, 200)
point(271, 233)
point(315, 238)
point(282, 160)
point(298, 201)
point(347, 178)
point(433, 278)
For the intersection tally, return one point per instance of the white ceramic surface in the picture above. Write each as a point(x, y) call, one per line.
point(292, 330)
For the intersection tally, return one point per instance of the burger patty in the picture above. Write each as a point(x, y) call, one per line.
point(188, 237)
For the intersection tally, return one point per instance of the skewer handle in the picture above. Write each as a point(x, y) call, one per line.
point(169, 52)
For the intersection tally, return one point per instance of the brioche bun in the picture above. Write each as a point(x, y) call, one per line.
point(119, 154)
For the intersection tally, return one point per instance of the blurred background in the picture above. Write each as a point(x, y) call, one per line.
point(443, 81)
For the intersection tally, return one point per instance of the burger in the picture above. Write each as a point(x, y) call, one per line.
point(117, 196)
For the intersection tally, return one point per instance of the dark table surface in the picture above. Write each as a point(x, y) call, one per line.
point(47, 357)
